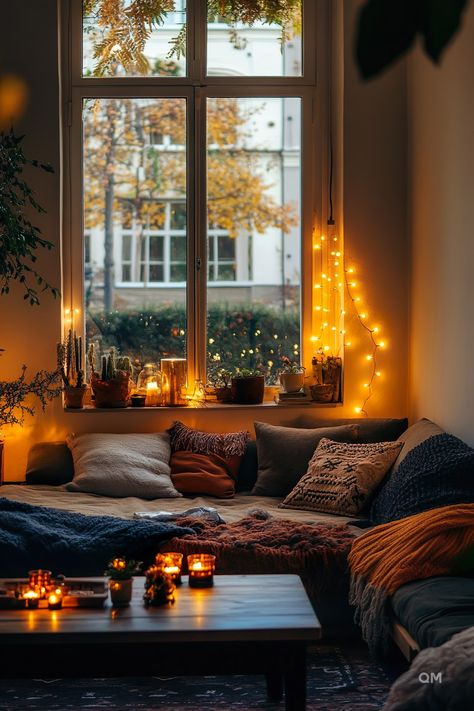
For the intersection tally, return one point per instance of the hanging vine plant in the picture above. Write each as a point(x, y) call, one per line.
point(19, 238)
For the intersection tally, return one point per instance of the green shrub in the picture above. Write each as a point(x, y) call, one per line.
point(252, 336)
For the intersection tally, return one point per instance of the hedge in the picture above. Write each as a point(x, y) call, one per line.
point(244, 336)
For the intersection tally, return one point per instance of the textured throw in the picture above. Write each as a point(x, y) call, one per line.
point(261, 544)
point(71, 543)
point(184, 438)
point(436, 542)
point(438, 472)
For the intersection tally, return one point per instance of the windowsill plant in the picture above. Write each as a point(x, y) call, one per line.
point(70, 367)
point(112, 386)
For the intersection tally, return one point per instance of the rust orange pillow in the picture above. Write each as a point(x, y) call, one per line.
point(211, 474)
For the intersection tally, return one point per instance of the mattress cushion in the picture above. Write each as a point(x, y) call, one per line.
point(435, 609)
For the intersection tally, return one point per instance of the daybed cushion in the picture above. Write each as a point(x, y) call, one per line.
point(415, 435)
point(438, 472)
point(122, 465)
point(284, 454)
point(371, 429)
point(49, 463)
point(341, 477)
point(435, 609)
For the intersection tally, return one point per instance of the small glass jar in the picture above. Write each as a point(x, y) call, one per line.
point(149, 384)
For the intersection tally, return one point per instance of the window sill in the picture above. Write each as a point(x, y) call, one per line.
point(206, 406)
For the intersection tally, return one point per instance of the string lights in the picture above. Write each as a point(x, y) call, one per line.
point(373, 332)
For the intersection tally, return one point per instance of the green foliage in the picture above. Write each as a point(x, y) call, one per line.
point(250, 336)
point(387, 29)
point(19, 238)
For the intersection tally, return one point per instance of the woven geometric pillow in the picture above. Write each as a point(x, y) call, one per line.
point(342, 477)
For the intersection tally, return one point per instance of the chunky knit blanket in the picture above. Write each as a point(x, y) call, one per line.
point(259, 543)
point(71, 543)
point(436, 542)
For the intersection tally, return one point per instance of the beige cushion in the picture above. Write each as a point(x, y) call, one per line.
point(284, 454)
point(122, 465)
point(341, 477)
point(415, 435)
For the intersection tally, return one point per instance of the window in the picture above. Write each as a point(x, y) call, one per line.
point(193, 180)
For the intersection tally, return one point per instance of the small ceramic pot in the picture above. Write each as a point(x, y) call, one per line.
point(292, 382)
point(322, 393)
point(248, 390)
point(74, 397)
point(121, 592)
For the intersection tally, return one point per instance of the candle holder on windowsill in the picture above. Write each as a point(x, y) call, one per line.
point(173, 384)
point(171, 564)
point(201, 567)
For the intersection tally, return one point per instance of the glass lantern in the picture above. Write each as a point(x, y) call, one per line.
point(149, 384)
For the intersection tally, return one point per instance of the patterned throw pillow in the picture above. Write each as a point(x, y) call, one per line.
point(342, 477)
point(438, 472)
point(205, 462)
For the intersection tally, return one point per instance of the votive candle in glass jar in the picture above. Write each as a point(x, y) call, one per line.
point(39, 581)
point(201, 567)
point(174, 378)
point(171, 564)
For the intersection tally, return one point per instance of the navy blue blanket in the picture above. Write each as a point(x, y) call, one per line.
point(71, 543)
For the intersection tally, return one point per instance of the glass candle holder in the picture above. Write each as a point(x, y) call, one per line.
point(171, 564)
point(149, 384)
point(32, 599)
point(173, 371)
point(201, 567)
point(39, 581)
point(55, 600)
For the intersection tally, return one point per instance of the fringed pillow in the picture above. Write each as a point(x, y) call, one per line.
point(205, 462)
point(342, 478)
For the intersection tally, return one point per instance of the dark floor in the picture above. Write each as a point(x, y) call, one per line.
point(341, 677)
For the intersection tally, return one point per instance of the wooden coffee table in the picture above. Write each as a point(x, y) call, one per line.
point(245, 624)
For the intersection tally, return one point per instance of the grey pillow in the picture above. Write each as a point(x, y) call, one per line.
point(284, 454)
point(122, 465)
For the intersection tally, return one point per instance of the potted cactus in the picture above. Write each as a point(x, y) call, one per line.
point(112, 385)
point(70, 357)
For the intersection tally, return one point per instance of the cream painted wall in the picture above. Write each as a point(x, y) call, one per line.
point(442, 226)
point(375, 228)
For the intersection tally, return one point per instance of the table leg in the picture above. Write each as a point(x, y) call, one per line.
point(295, 680)
point(274, 686)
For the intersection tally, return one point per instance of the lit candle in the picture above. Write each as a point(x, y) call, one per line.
point(201, 568)
point(171, 564)
point(152, 394)
point(55, 601)
point(32, 599)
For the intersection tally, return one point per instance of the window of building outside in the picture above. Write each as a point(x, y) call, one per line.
point(191, 133)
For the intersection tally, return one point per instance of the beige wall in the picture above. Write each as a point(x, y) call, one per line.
point(375, 143)
point(442, 222)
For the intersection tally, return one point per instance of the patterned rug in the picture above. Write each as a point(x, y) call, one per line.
point(342, 678)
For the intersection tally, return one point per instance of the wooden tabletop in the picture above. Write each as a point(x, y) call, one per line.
point(238, 607)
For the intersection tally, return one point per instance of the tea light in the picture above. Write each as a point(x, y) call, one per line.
point(55, 600)
point(171, 564)
point(201, 568)
point(32, 599)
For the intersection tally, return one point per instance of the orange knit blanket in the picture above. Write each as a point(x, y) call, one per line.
point(417, 547)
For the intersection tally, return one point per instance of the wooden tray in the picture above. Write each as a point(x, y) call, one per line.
point(80, 592)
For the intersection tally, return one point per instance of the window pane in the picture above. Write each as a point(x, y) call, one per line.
point(255, 39)
point(133, 38)
point(178, 216)
point(122, 169)
point(255, 321)
point(178, 249)
point(178, 272)
point(156, 248)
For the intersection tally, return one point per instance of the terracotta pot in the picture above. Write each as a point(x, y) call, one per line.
point(249, 390)
point(292, 382)
point(74, 397)
point(111, 393)
point(121, 592)
point(322, 393)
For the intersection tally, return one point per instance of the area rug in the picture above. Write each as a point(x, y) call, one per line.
point(342, 678)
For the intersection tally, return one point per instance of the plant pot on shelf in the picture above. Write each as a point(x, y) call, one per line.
point(322, 393)
point(248, 390)
point(74, 397)
point(111, 393)
point(121, 592)
point(224, 394)
point(292, 382)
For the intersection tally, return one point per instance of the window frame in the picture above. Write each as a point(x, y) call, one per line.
point(312, 87)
